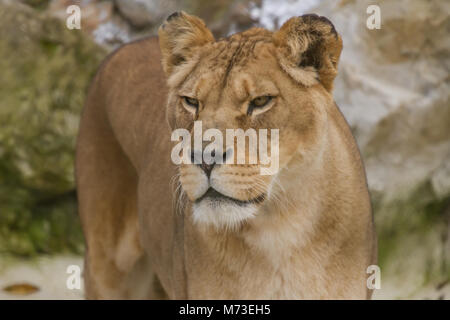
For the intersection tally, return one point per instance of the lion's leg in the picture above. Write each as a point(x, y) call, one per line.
point(106, 181)
point(138, 283)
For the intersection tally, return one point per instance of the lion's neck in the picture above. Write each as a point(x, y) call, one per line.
point(277, 244)
point(287, 221)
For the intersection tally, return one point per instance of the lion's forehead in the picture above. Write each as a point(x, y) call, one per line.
point(237, 50)
point(225, 65)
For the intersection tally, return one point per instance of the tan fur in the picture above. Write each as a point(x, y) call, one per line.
point(312, 237)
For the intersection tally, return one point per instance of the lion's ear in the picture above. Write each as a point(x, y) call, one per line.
point(309, 47)
point(179, 36)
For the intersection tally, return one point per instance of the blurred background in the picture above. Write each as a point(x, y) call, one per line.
point(393, 87)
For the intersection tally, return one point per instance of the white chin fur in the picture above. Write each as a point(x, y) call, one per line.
point(222, 214)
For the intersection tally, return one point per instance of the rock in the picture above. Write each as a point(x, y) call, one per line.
point(223, 17)
point(45, 72)
point(98, 19)
point(113, 33)
point(142, 13)
point(440, 180)
point(394, 89)
point(113, 23)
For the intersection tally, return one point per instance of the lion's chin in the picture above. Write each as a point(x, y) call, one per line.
point(222, 213)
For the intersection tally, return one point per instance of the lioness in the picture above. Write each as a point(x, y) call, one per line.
point(305, 232)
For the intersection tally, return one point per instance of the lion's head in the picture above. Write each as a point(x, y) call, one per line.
point(255, 79)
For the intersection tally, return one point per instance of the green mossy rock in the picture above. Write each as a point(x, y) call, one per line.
point(45, 69)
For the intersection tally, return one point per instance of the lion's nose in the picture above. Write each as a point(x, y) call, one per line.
point(207, 168)
point(197, 158)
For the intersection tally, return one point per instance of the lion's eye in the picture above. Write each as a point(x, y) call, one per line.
point(259, 103)
point(191, 102)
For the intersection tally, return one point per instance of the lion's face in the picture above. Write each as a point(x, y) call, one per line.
point(247, 81)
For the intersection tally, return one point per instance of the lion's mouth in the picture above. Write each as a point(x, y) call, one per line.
point(215, 196)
